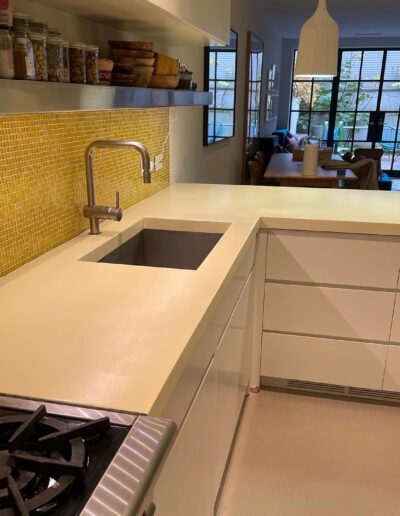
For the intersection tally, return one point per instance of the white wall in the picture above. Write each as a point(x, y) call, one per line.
point(288, 47)
point(220, 162)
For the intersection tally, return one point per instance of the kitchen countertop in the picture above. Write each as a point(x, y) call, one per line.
point(117, 336)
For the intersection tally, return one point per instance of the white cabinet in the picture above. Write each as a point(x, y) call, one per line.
point(395, 334)
point(191, 477)
point(324, 311)
point(336, 259)
point(185, 483)
point(355, 364)
point(232, 367)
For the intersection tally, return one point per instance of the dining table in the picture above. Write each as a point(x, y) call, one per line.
point(282, 168)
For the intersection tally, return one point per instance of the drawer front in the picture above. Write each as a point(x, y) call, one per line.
point(325, 311)
point(392, 372)
point(355, 364)
point(395, 334)
point(302, 256)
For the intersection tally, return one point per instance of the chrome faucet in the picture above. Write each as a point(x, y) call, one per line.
point(93, 212)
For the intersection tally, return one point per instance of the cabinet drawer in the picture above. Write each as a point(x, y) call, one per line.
point(336, 259)
point(395, 334)
point(392, 372)
point(355, 364)
point(334, 312)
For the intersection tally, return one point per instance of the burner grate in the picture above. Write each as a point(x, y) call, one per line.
point(41, 457)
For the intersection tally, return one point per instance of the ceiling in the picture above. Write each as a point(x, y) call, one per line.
point(354, 16)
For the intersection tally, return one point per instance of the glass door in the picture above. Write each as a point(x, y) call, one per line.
point(366, 104)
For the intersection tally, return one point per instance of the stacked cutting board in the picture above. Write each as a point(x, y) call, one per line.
point(135, 64)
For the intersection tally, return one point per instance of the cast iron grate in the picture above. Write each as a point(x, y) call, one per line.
point(41, 458)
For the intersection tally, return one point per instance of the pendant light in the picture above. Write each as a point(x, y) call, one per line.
point(319, 45)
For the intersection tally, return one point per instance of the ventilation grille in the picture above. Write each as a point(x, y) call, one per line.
point(319, 387)
point(327, 388)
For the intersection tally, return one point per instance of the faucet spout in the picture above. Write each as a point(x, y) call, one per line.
point(93, 212)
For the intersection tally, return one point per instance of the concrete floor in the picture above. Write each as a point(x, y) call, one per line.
point(307, 456)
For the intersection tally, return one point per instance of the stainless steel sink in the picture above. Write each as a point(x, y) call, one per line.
point(164, 248)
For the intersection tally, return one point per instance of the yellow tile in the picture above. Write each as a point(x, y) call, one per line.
point(42, 174)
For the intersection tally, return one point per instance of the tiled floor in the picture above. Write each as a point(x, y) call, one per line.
point(307, 456)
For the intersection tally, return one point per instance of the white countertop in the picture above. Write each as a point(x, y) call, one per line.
point(118, 337)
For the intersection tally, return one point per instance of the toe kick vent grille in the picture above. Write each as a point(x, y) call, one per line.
point(331, 389)
point(319, 387)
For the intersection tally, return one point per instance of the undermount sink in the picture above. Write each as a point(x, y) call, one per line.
point(185, 247)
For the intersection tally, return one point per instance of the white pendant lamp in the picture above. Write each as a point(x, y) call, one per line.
point(319, 45)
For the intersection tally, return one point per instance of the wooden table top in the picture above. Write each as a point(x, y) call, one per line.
point(282, 166)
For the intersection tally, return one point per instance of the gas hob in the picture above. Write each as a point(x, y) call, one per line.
point(63, 460)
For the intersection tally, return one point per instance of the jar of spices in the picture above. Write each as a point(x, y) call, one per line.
point(6, 53)
point(24, 63)
point(39, 43)
point(54, 59)
point(92, 69)
point(38, 26)
point(6, 12)
point(65, 53)
point(77, 62)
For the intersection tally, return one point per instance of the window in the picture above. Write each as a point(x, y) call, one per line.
point(358, 108)
point(220, 80)
point(255, 78)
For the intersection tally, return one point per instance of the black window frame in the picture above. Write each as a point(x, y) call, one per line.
point(207, 80)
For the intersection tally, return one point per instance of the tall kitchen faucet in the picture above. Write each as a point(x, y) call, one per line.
point(96, 213)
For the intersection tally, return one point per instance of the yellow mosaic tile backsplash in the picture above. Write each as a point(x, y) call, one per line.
point(42, 174)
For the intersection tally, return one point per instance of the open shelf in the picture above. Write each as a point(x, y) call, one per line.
point(39, 97)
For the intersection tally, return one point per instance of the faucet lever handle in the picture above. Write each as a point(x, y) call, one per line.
point(117, 205)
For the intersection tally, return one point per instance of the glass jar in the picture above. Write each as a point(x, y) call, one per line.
point(65, 53)
point(6, 10)
point(39, 44)
point(21, 25)
point(38, 26)
point(6, 53)
point(54, 59)
point(52, 32)
point(92, 69)
point(24, 63)
point(77, 62)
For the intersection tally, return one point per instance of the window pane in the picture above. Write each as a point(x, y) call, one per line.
point(225, 98)
point(226, 65)
point(392, 69)
point(368, 96)
point(347, 96)
point(301, 97)
point(351, 62)
point(213, 59)
point(299, 123)
point(390, 96)
point(361, 131)
point(389, 133)
point(387, 158)
point(319, 124)
point(224, 123)
point(322, 96)
point(372, 64)
point(344, 126)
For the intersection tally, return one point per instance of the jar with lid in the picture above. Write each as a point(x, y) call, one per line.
point(52, 32)
point(6, 53)
point(24, 64)
point(65, 54)
point(54, 59)
point(77, 62)
point(21, 25)
point(92, 69)
point(39, 43)
point(38, 26)
point(6, 12)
